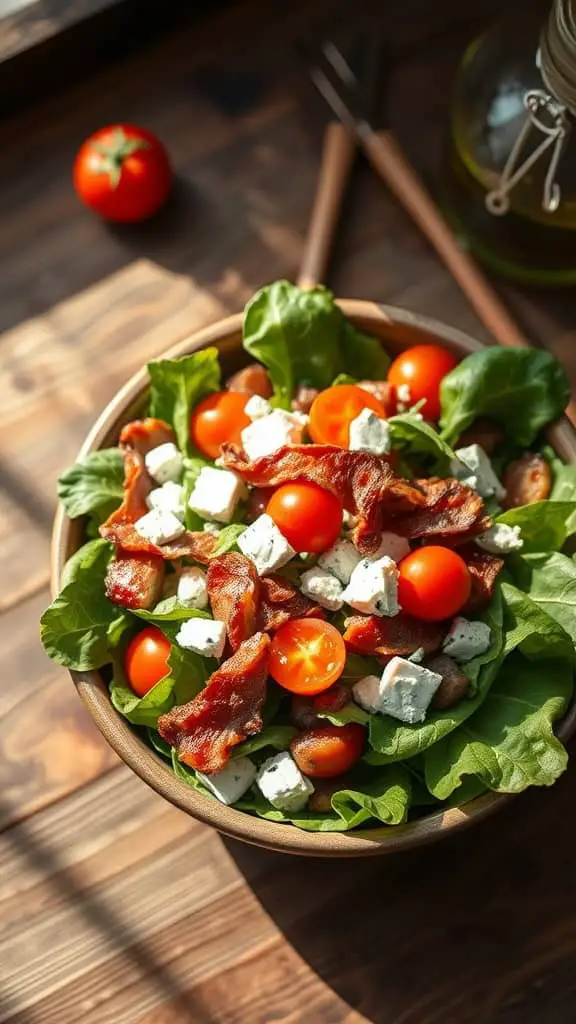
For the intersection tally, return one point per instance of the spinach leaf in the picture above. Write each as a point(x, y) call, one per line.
point(95, 552)
point(550, 582)
point(169, 611)
point(529, 627)
point(176, 385)
point(81, 625)
point(277, 736)
point(392, 740)
point(159, 745)
point(94, 485)
point(509, 742)
point(413, 437)
point(544, 525)
point(524, 389)
point(301, 336)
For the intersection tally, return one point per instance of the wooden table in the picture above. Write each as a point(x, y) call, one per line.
point(115, 908)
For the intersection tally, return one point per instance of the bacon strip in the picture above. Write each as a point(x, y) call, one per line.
point(143, 435)
point(228, 709)
point(134, 580)
point(483, 569)
point(234, 590)
point(400, 635)
point(365, 484)
point(281, 601)
point(451, 509)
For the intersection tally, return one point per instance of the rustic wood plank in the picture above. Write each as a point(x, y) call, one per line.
point(117, 908)
point(48, 743)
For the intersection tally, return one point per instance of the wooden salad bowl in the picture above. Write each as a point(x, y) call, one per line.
point(398, 329)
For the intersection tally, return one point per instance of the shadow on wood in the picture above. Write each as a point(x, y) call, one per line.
point(475, 930)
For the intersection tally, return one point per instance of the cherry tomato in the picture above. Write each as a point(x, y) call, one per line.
point(328, 751)
point(434, 583)
point(307, 515)
point(334, 409)
point(123, 173)
point(307, 655)
point(218, 418)
point(422, 368)
point(146, 661)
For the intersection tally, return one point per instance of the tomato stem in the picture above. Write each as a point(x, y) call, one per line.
point(113, 154)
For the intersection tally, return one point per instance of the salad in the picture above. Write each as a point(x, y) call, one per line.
point(332, 590)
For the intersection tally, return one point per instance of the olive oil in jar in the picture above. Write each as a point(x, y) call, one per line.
point(509, 186)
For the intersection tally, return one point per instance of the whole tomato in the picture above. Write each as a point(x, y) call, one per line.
point(123, 173)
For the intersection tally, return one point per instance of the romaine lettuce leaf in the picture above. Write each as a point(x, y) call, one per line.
point(524, 389)
point(301, 336)
point(93, 485)
point(177, 385)
point(509, 742)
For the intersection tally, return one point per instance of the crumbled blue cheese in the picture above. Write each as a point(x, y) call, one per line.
point(232, 782)
point(404, 691)
point(268, 433)
point(373, 587)
point(203, 636)
point(168, 498)
point(393, 545)
point(164, 463)
point(323, 588)
point(403, 394)
point(212, 528)
point(366, 693)
point(466, 640)
point(216, 493)
point(159, 527)
point(192, 589)
point(417, 656)
point(280, 780)
point(473, 467)
point(370, 433)
point(501, 539)
point(340, 560)
point(256, 407)
point(265, 545)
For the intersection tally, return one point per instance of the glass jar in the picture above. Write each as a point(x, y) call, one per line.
point(527, 232)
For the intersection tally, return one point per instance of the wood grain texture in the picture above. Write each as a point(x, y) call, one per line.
point(114, 907)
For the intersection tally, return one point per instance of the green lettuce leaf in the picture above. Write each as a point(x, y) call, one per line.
point(177, 385)
point(529, 627)
point(414, 437)
point(301, 336)
point(159, 745)
point(169, 611)
point(81, 626)
point(228, 538)
point(141, 710)
point(564, 488)
point(277, 736)
point(550, 582)
point(96, 552)
point(509, 743)
point(524, 389)
point(544, 525)
point(382, 796)
point(93, 486)
point(392, 740)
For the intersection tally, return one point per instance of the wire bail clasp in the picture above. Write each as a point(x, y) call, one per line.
point(547, 116)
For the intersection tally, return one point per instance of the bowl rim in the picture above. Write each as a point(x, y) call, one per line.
point(143, 760)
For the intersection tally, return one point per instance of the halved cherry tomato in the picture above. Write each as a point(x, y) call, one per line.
point(307, 515)
point(434, 583)
point(334, 409)
point(307, 655)
point(422, 368)
point(328, 751)
point(218, 418)
point(146, 660)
